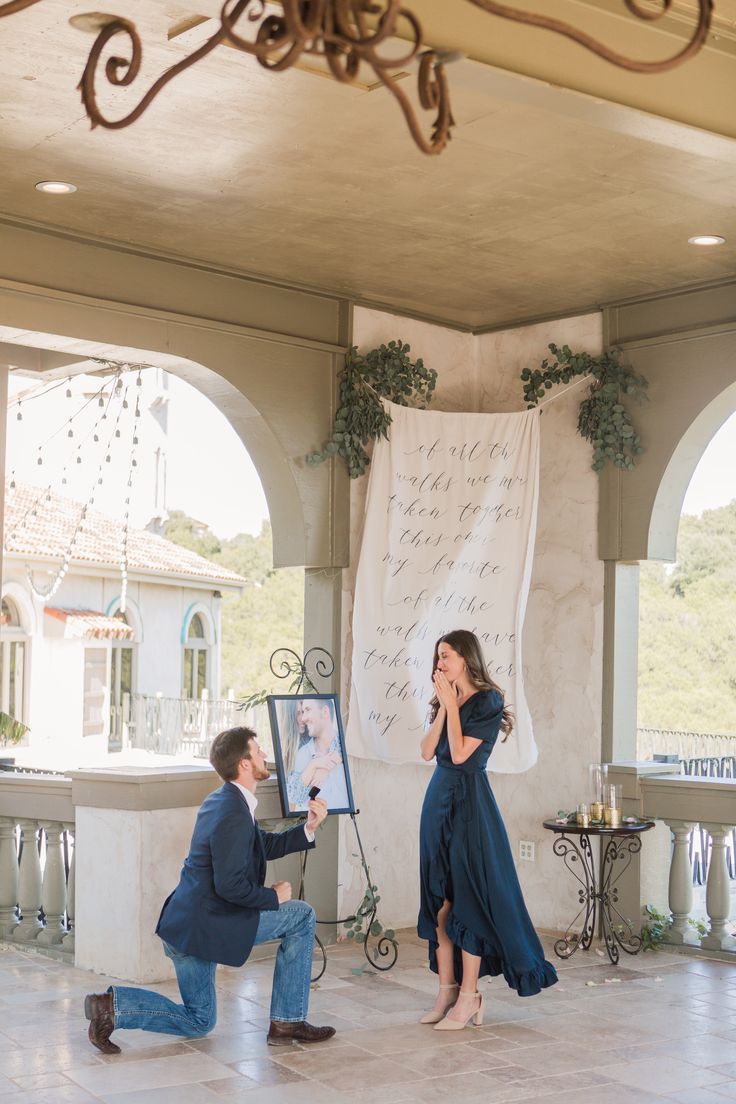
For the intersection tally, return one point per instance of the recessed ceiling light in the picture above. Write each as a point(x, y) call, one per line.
point(55, 187)
point(706, 239)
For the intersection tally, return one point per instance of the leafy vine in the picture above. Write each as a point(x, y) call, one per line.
point(603, 419)
point(383, 373)
point(364, 924)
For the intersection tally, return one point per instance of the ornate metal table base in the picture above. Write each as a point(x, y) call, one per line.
point(598, 896)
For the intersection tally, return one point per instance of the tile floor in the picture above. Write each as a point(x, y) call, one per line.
point(659, 1029)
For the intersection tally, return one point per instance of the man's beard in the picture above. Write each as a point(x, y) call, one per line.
point(261, 773)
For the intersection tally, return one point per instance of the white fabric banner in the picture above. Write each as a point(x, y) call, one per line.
point(447, 544)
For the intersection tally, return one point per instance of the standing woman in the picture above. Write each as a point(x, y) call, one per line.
point(472, 911)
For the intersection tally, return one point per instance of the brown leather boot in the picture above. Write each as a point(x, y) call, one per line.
point(98, 1009)
point(283, 1033)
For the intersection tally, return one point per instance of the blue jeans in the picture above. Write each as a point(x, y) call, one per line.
point(294, 924)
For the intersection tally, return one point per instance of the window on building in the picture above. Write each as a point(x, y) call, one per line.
point(95, 691)
point(196, 659)
point(13, 654)
point(120, 684)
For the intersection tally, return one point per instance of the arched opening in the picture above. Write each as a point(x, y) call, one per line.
point(197, 663)
point(186, 587)
point(687, 640)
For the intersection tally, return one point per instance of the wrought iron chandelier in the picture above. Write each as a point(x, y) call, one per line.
point(346, 34)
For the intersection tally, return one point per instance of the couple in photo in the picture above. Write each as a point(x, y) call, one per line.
point(472, 911)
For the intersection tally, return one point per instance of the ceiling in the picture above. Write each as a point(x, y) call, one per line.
point(547, 201)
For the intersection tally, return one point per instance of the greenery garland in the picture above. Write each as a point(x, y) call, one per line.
point(603, 420)
point(11, 731)
point(383, 373)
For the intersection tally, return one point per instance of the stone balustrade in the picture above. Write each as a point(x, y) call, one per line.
point(37, 867)
point(119, 835)
point(681, 803)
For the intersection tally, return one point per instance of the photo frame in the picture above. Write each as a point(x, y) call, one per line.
point(309, 750)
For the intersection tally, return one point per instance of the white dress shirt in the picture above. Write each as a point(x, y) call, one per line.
point(252, 802)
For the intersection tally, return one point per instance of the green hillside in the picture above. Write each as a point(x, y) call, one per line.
point(269, 614)
point(687, 634)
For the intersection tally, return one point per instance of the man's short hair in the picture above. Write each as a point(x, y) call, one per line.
point(329, 704)
point(228, 748)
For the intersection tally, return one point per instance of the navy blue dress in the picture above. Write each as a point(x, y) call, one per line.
point(465, 858)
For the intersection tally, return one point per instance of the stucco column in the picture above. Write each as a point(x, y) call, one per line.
point(620, 660)
point(132, 833)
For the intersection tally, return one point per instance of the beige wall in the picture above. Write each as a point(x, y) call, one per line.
point(563, 630)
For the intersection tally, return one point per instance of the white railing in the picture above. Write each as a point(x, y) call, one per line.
point(686, 803)
point(176, 726)
point(685, 745)
point(37, 862)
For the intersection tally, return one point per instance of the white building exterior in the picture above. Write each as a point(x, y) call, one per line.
point(68, 660)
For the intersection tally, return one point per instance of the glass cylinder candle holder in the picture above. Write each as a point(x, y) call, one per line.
point(582, 816)
point(612, 807)
point(596, 810)
point(598, 774)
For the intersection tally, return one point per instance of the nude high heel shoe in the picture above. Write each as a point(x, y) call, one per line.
point(435, 1017)
point(457, 1025)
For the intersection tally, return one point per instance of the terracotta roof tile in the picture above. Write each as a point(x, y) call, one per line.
point(48, 533)
point(90, 625)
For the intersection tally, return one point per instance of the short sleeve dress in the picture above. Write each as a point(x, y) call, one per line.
point(465, 858)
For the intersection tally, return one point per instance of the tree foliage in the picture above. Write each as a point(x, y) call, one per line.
point(269, 614)
point(687, 635)
point(184, 530)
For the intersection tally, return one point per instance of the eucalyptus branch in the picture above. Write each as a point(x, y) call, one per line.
point(383, 373)
point(603, 419)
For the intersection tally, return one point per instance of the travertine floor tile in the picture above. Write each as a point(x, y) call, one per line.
point(181, 1070)
point(635, 1041)
point(176, 1094)
point(663, 1077)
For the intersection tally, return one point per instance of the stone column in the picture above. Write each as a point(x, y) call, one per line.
point(681, 881)
point(718, 895)
point(29, 884)
point(8, 877)
point(53, 892)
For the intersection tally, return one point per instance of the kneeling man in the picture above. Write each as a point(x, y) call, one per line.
point(221, 909)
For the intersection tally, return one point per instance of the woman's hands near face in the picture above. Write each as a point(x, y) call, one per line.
point(445, 690)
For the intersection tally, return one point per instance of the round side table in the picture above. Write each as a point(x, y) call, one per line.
point(598, 893)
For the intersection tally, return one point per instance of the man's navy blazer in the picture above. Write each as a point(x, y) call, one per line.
point(213, 913)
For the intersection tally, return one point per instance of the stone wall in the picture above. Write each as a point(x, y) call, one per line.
point(562, 634)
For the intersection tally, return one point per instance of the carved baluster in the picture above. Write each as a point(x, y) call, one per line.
point(681, 881)
point(8, 877)
point(54, 885)
point(68, 940)
point(29, 884)
point(717, 894)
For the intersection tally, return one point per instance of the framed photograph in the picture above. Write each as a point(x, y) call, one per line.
point(309, 749)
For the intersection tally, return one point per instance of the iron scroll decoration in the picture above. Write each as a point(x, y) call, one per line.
point(318, 663)
point(346, 34)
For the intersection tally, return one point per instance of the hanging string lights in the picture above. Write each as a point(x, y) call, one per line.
point(112, 404)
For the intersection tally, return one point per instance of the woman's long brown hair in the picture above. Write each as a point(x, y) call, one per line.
point(467, 646)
